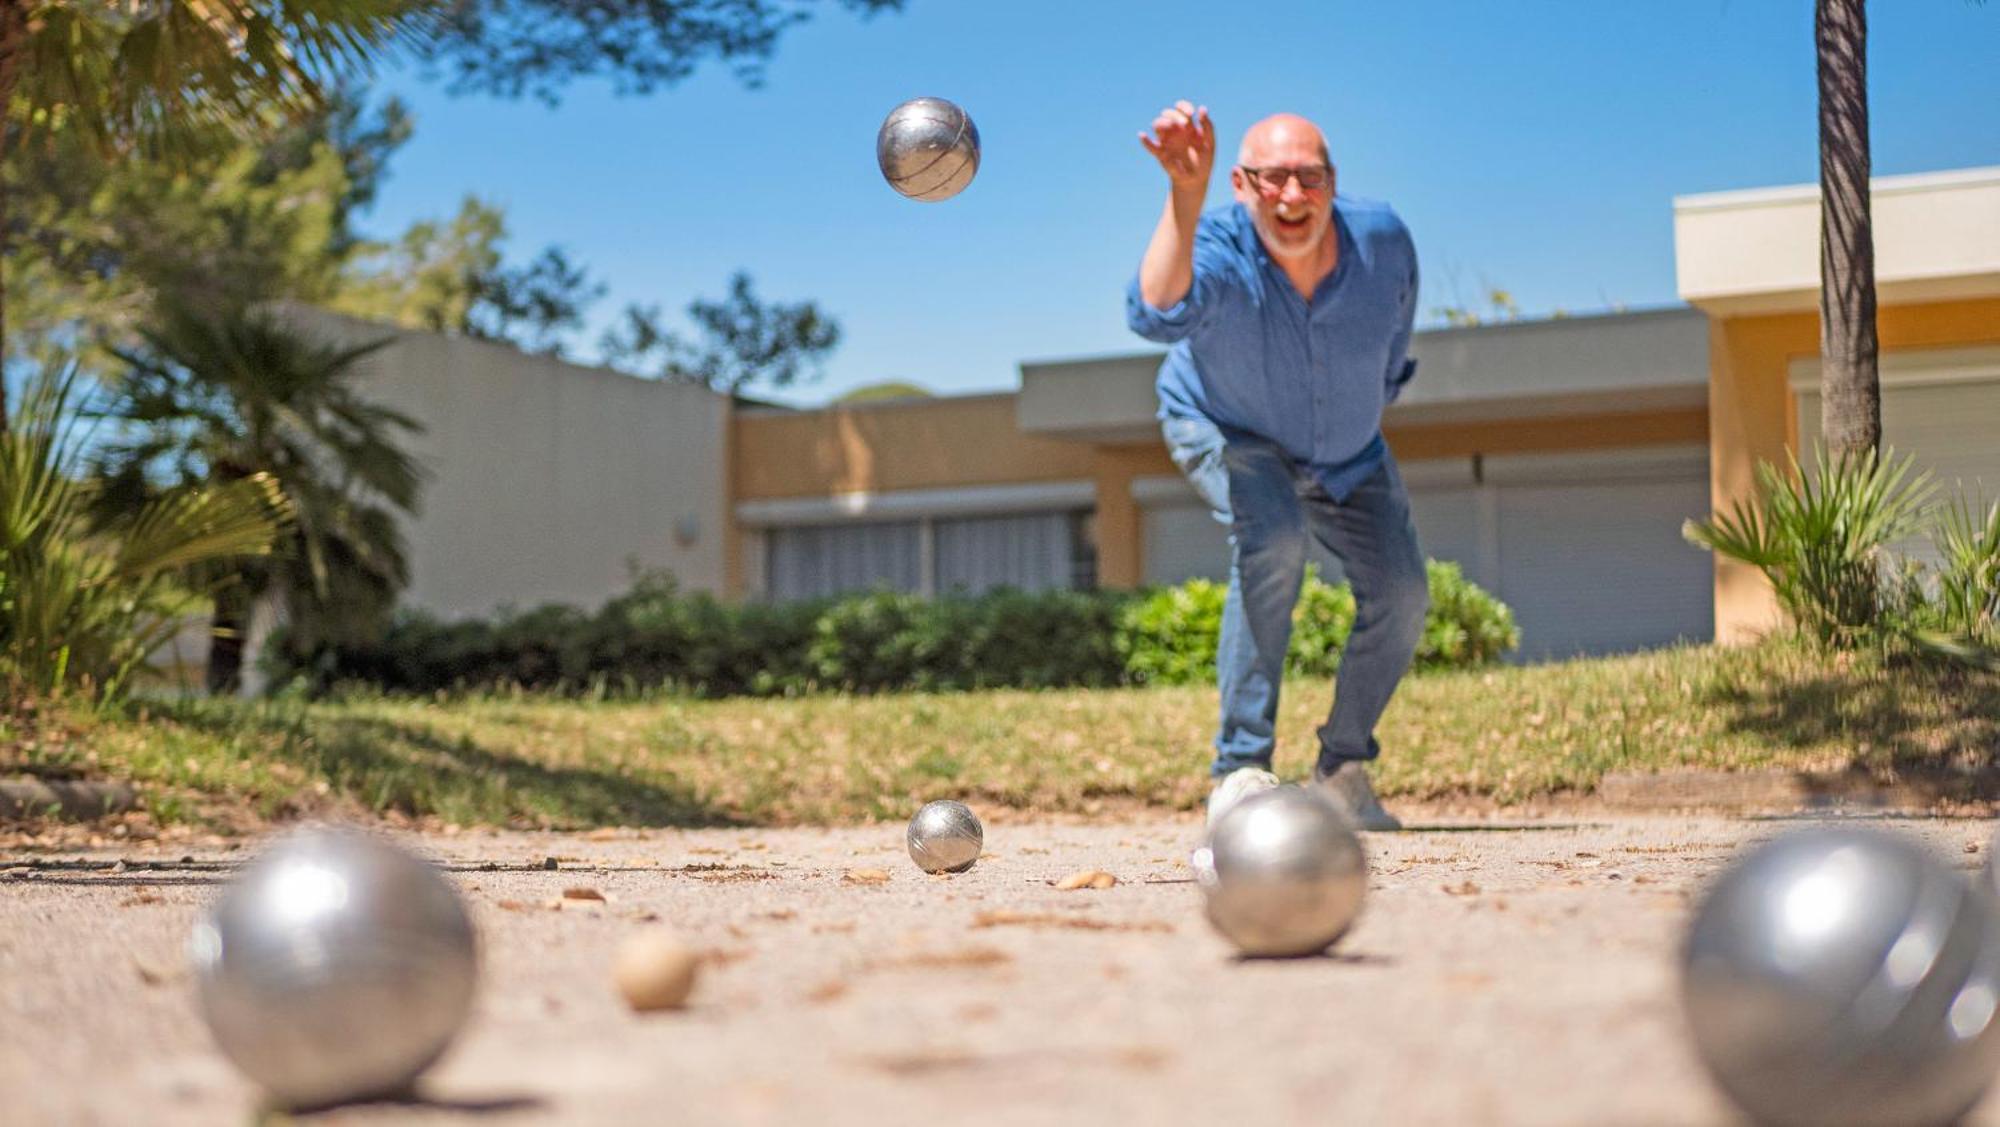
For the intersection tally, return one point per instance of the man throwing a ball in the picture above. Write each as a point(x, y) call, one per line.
point(1289, 315)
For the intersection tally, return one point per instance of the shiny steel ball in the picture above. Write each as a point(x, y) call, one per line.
point(945, 837)
point(928, 149)
point(1839, 976)
point(1282, 873)
point(334, 967)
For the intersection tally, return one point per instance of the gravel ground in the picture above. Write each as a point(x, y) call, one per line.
point(1497, 975)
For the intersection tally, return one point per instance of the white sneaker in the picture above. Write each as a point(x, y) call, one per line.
point(1351, 793)
point(1234, 787)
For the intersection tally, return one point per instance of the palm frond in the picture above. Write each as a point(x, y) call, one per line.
point(179, 74)
point(186, 527)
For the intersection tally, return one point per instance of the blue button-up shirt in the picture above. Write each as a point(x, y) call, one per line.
point(1253, 357)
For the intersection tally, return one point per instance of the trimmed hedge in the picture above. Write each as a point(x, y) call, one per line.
point(654, 637)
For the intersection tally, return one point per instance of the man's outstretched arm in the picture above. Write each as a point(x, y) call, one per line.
point(1183, 141)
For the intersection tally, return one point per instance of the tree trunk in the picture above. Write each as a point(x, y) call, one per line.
point(227, 630)
point(13, 42)
point(1850, 390)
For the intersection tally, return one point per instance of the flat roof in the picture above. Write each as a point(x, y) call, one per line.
point(1632, 361)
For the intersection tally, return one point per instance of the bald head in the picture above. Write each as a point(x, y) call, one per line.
point(1284, 179)
point(1279, 135)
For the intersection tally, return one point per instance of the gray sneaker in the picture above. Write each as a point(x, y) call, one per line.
point(1350, 792)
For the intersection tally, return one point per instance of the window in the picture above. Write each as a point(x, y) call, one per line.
point(938, 555)
point(813, 560)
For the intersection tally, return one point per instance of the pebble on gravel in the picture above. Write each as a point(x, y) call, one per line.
point(1087, 878)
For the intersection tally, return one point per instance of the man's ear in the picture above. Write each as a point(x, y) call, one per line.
point(1239, 183)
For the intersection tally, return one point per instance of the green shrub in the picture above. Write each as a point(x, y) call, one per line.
point(654, 637)
point(1168, 636)
point(1466, 625)
point(884, 640)
point(1001, 639)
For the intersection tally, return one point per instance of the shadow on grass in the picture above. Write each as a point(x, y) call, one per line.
point(408, 768)
point(1928, 732)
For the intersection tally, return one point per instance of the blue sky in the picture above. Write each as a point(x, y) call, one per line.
point(1533, 146)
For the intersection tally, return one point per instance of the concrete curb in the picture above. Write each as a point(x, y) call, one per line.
point(73, 801)
point(1774, 789)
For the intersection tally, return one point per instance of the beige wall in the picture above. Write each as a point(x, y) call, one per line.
point(1677, 426)
point(977, 441)
point(547, 477)
point(920, 444)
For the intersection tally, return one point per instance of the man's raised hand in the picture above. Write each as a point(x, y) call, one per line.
point(1183, 141)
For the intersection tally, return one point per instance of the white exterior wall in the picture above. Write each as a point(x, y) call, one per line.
point(547, 477)
point(1937, 236)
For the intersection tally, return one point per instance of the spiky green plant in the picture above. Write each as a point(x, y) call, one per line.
point(1968, 545)
point(86, 593)
point(1822, 538)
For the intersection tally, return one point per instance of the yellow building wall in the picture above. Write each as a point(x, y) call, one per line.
point(934, 444)
point(928, 444)
point(974, 441)
point(1121, 539)
point(1752, 417)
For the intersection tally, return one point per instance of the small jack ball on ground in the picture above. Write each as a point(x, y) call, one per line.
point(654, 970)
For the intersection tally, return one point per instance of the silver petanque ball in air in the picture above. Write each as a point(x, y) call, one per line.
point(1839, 976)
point(945, 837)
point(1282, 873)
point(928, 149)
point(334, 967)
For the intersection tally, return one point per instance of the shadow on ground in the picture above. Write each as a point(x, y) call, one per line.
point(1925, 732)
point(409, 768)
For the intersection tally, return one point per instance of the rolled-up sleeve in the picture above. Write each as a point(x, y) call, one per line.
point(1402, 367)
point(1165, 326)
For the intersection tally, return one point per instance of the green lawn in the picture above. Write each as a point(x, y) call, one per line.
point(1505, 733)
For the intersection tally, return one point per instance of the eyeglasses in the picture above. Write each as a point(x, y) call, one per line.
point(1311, 178)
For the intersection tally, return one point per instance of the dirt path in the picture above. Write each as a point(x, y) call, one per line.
point(1495, 977)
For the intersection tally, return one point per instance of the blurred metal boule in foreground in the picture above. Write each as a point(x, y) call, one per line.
point(1839, 976)
point(945, 837)
point(334, 967)
point(1283, 874)
point(928, 149)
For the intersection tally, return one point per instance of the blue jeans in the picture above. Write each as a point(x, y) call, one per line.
point(1271, 505)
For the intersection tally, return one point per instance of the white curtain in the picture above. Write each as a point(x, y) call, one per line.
point(1030, 551)
point(818, 560)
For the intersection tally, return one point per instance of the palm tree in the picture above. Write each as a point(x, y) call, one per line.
point(164, 74)
point(1850, 389)
point(87, 593)
point(232, 394)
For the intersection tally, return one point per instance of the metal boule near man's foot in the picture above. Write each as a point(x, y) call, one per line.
point(1282, 873)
